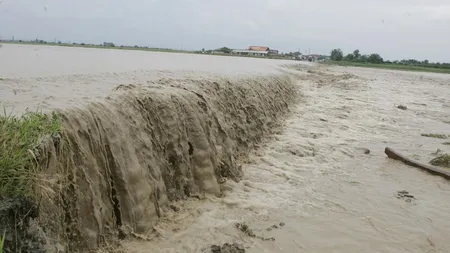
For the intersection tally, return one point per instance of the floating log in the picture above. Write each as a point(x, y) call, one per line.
point(429, 168)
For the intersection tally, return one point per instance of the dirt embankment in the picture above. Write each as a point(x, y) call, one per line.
point(119, 163)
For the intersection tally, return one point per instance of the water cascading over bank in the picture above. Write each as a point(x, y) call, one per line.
point(120, 162)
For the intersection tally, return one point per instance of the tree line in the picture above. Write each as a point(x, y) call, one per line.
point(356, 56)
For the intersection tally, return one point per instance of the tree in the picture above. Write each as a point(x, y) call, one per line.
point(356, 54)
point(225, 50)
point(337, 55)
point(375, 58)
point(349, 57)
point(363, 58)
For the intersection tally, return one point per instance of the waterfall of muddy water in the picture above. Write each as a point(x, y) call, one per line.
point(315, 178)
point(130, 155)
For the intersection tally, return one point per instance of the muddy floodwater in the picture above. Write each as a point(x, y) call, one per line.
point(316, 178)
point(48, 77)
point(321, 184)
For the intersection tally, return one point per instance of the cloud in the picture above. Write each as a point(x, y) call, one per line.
point(395, 29)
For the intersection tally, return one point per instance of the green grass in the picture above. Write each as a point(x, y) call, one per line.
point(19, 136)
point(437, 136)
point(442, 161)
point(2, 242)
point(388, 66)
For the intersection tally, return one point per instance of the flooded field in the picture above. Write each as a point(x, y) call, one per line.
point(320, 183)
point(51, 77)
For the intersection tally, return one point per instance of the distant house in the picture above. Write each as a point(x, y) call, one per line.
point(108, 44)
point(312, 57)
point(249, 52)
point(259, 48)
point(273, 51)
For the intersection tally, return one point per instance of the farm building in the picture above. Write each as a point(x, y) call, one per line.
point(249, 52)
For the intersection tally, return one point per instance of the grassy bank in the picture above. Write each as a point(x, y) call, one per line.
point(388, 66)
point(19, 138)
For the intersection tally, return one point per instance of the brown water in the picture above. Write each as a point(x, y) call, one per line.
point(48, 77)
point(312, 175)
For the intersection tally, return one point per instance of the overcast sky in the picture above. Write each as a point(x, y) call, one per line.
point(396, 29)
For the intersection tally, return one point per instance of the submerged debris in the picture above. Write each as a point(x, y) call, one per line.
point(364, 150)
point(405, 195)
point(442, 160)
point(248, 231)
point(437, 136)
point(228, 248)
point(245, 229)
point(174, 208)
point(276, 226)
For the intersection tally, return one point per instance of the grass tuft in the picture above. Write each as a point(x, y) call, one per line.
point(2, 242)
point(442, 161)
point(19, 137)
point(438, 136)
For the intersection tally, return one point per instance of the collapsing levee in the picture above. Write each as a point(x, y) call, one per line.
point(127, 157)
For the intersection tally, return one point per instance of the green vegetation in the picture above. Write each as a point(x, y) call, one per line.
point(2, 242)
point(437, 136)
point(376, 61)
point(446, 143)
point(19, 138)
point(337, 55)
point(442, 161)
